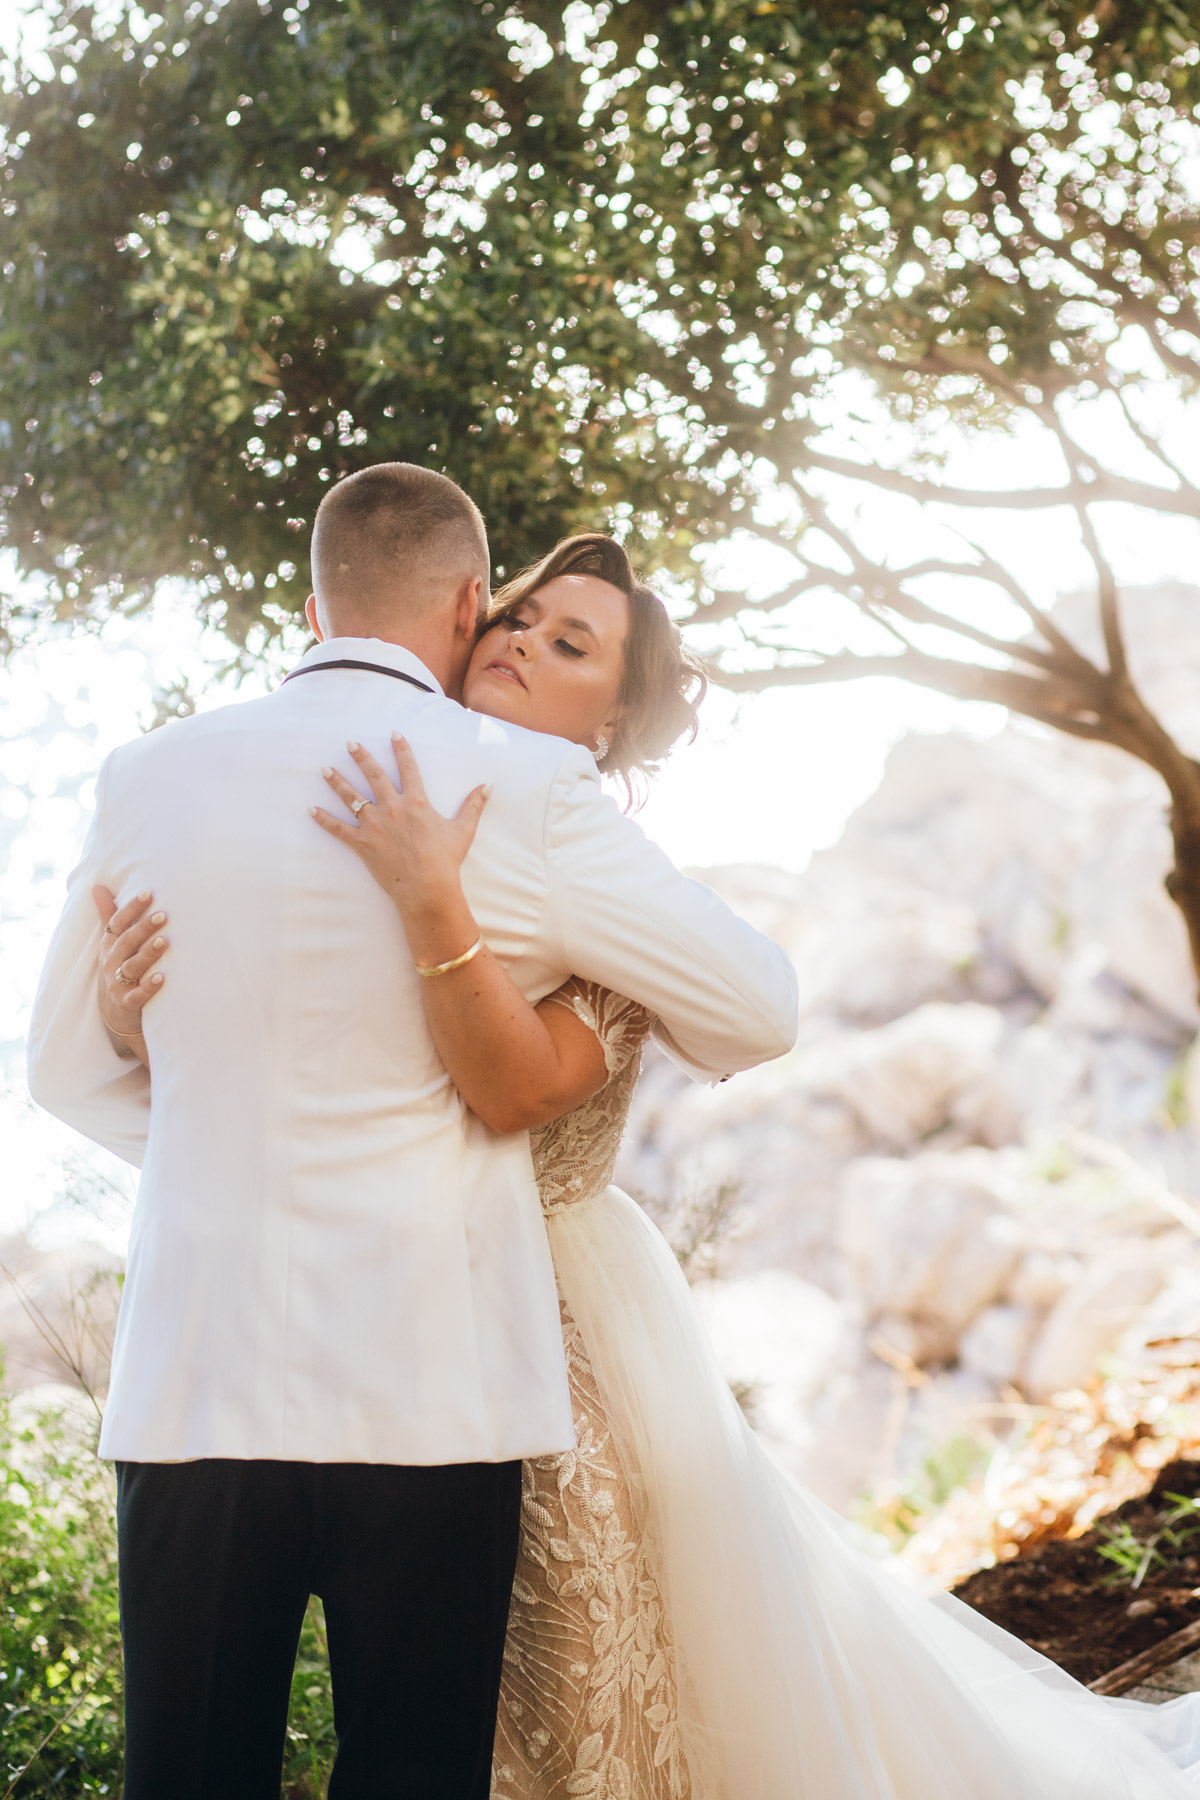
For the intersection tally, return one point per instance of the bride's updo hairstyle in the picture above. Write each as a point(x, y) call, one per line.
point(662, 684)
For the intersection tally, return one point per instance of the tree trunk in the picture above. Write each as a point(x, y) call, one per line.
point(1183, 882)
point(1140, 732)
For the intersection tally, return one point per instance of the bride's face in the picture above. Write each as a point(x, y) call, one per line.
point(555, 663)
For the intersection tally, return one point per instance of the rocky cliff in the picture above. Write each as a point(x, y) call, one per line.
point(968, 1185)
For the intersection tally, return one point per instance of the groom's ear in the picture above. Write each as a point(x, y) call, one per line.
point(310, 613)
point(470, 610)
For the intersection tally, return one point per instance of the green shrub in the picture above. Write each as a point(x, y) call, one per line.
point(899, 1509)
point(1178, 1526)
point(60, 1652)
point(310, 1740)
point(60, 1661)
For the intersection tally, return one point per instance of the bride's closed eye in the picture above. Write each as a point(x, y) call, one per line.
point(517, 622)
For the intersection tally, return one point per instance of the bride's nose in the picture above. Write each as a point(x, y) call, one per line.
point(517, 645)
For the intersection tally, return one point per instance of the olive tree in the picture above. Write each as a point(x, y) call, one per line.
point(607, 264)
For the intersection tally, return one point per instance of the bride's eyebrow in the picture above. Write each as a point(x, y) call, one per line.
point(580, 625)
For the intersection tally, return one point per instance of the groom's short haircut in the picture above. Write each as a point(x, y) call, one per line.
point(394, 540)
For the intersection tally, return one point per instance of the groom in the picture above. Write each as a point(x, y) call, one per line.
point(339, 1334)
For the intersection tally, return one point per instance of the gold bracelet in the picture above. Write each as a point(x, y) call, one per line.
point(456, 962)
point(127, 1035)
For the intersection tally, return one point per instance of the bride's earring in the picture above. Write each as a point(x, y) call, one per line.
point(601, 750)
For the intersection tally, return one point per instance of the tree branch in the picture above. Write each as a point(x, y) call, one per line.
point(726, 603)
point(1110, 614)
point(1121, 239)
point(921, 613)
point(1150, 442)
point(889, 592)
point(1003, 578)
point(852, 585)
point(1187, 366)
point(1046, 701)
point(1107, 291)
point(1106, 487)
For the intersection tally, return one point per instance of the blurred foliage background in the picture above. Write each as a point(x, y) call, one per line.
point(599, 263)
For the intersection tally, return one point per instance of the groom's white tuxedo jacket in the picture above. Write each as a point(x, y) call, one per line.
point(331, 1259)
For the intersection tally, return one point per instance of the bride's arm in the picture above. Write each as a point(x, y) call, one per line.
point(515, 1065)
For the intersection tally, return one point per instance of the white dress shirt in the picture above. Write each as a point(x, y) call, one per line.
point(331, 1259)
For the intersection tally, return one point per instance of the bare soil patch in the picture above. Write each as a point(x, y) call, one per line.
point(1082, 1609)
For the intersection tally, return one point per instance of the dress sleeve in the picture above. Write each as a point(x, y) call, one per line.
point(621, 1025)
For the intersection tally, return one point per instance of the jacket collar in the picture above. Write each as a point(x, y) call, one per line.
point(371, 650)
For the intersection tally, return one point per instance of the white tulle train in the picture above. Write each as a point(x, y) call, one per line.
point(805, 1670)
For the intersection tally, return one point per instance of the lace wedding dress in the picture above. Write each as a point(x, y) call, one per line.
point(688, 1623)
point(587, 1702)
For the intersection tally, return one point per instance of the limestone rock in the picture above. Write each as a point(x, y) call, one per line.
point(927, 1239)
point(1088, 1320)
point(886, 949)
point(904, 1079)
point(994, 1345)
point(1041, 1277)
point(1038, 1081)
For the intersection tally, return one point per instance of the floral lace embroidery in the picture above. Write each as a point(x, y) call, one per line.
point(587, 1700)
point(588, 1705)
point(574, 1157)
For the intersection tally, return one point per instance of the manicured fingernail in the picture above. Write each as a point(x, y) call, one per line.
point(158, 918)
point(326, 771)
point(155, 980)
point(487, 790)
point(314, 812)
point(158, 943)
point(398, 737)
point(145, 895)
point(352, 746)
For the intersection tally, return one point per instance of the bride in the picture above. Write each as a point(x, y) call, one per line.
point(685, 1621)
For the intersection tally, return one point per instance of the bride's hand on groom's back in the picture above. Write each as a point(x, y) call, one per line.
point(132, 944)
point(412, 850)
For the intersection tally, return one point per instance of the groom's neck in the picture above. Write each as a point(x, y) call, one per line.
point(442, 638)
point(430, 648)
point(437, 650)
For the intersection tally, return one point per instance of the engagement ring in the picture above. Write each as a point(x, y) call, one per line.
point(356, 806)
point(123, 978)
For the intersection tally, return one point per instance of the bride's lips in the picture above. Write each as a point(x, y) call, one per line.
point(507, 670)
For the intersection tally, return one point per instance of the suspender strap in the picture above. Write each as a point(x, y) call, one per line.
point(347, 662)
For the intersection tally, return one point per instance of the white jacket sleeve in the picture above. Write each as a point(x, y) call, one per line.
point(725, 996)
point(74, 1072)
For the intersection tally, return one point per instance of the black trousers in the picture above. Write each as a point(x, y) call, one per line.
point(217, 1561)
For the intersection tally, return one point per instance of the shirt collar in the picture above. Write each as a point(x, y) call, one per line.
point(372, 650)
